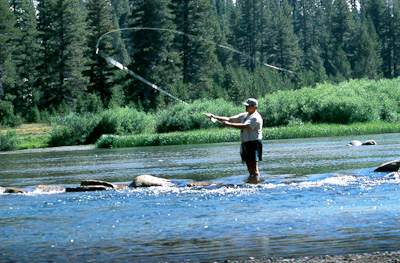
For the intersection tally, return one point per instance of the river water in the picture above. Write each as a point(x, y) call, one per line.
point(318, 197)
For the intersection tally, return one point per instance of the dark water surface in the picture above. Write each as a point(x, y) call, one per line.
point(319, 197)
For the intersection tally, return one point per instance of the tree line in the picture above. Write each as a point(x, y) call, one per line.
point(49, 65)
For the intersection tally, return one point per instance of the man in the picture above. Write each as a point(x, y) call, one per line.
point(250, 124)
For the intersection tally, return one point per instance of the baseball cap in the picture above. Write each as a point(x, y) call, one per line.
point(251, 102)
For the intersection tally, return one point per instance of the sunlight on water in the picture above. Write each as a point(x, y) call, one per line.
point(318, 197)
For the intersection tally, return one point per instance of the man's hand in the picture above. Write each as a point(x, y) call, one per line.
point(209, 115)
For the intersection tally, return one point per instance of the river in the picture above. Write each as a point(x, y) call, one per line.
point(318, 197)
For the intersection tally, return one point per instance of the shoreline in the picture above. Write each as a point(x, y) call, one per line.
point(53, 149)
point(35, 138)
point(373, 257)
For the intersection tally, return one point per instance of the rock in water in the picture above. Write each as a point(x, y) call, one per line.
point(49, 188)
point(14, 191)
point(87, 188)
point(97, 182)
point(147, 180)
point(354, 143)
point(370, 142)
point(391, 166)
point(92, 185)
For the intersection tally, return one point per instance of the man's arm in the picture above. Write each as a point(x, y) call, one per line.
point(220, 118)
point(240, 126)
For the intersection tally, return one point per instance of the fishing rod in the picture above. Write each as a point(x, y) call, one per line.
point(154, 86)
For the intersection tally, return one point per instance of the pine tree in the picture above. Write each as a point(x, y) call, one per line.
point(285, 51)
point(265, 30)
point(342, 29)
point(368, 61)
point(152, 53)
point(7, 67)
point(223, 9)
point(396, 38)
point(25, 57)
point(249, 33)
point(379, 12)
point(303, 21)
point(121, 8)
point(199, 60)
point(100, 20)
point(64, 41)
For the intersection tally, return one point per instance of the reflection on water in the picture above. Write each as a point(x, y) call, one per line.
point(319, 197)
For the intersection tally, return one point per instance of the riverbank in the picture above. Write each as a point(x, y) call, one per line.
point(32, 136)
point(232, 135)
point(381, 257)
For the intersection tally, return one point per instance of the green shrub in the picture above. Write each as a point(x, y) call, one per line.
point(183, 117)
point(9, 141)
point(73, 129)
point(344, 103)
point(7, 116)
point(123, 121)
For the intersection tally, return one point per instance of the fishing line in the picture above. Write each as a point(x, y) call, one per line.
point(152, 85)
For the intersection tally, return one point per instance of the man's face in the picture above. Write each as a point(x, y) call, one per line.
point(251, 109)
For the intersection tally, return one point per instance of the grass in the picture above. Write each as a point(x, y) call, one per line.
point(173, 138)
point(31, 135)
point(329, 130)
point(231, 135)
point(38, 135)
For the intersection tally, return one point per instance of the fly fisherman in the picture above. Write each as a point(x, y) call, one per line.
point(250, 124)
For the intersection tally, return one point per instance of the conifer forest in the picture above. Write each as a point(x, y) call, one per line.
point(204, 49)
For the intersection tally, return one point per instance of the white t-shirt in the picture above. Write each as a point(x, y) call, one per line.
point(254, 131)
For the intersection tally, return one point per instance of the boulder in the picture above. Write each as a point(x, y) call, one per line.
point(193, 184)
point(88, 188)
point(392, 166)
point(97, 182)
point(370, 142)
point(359, 143)
point(14, 191)
point(354, 143)
point(92, 185)
point(147, 180)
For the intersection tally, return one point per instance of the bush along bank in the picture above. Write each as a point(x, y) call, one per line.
point(350, 102)
point(344, 103)
point(232, 135)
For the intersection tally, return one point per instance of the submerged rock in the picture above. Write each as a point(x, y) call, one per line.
point(147, 180)
point(392, 166)
point(393, 175)
point(49, 188)
point(92, 185)
point(359, 143)
point(193, 184)
point(97, 182)
point(370, 142)
point(88, 188)
point(14, 191)
point(354, 143)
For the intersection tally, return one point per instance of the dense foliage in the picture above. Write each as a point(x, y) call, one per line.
point(350, 102)
point(347, 102)
point(49, 65)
